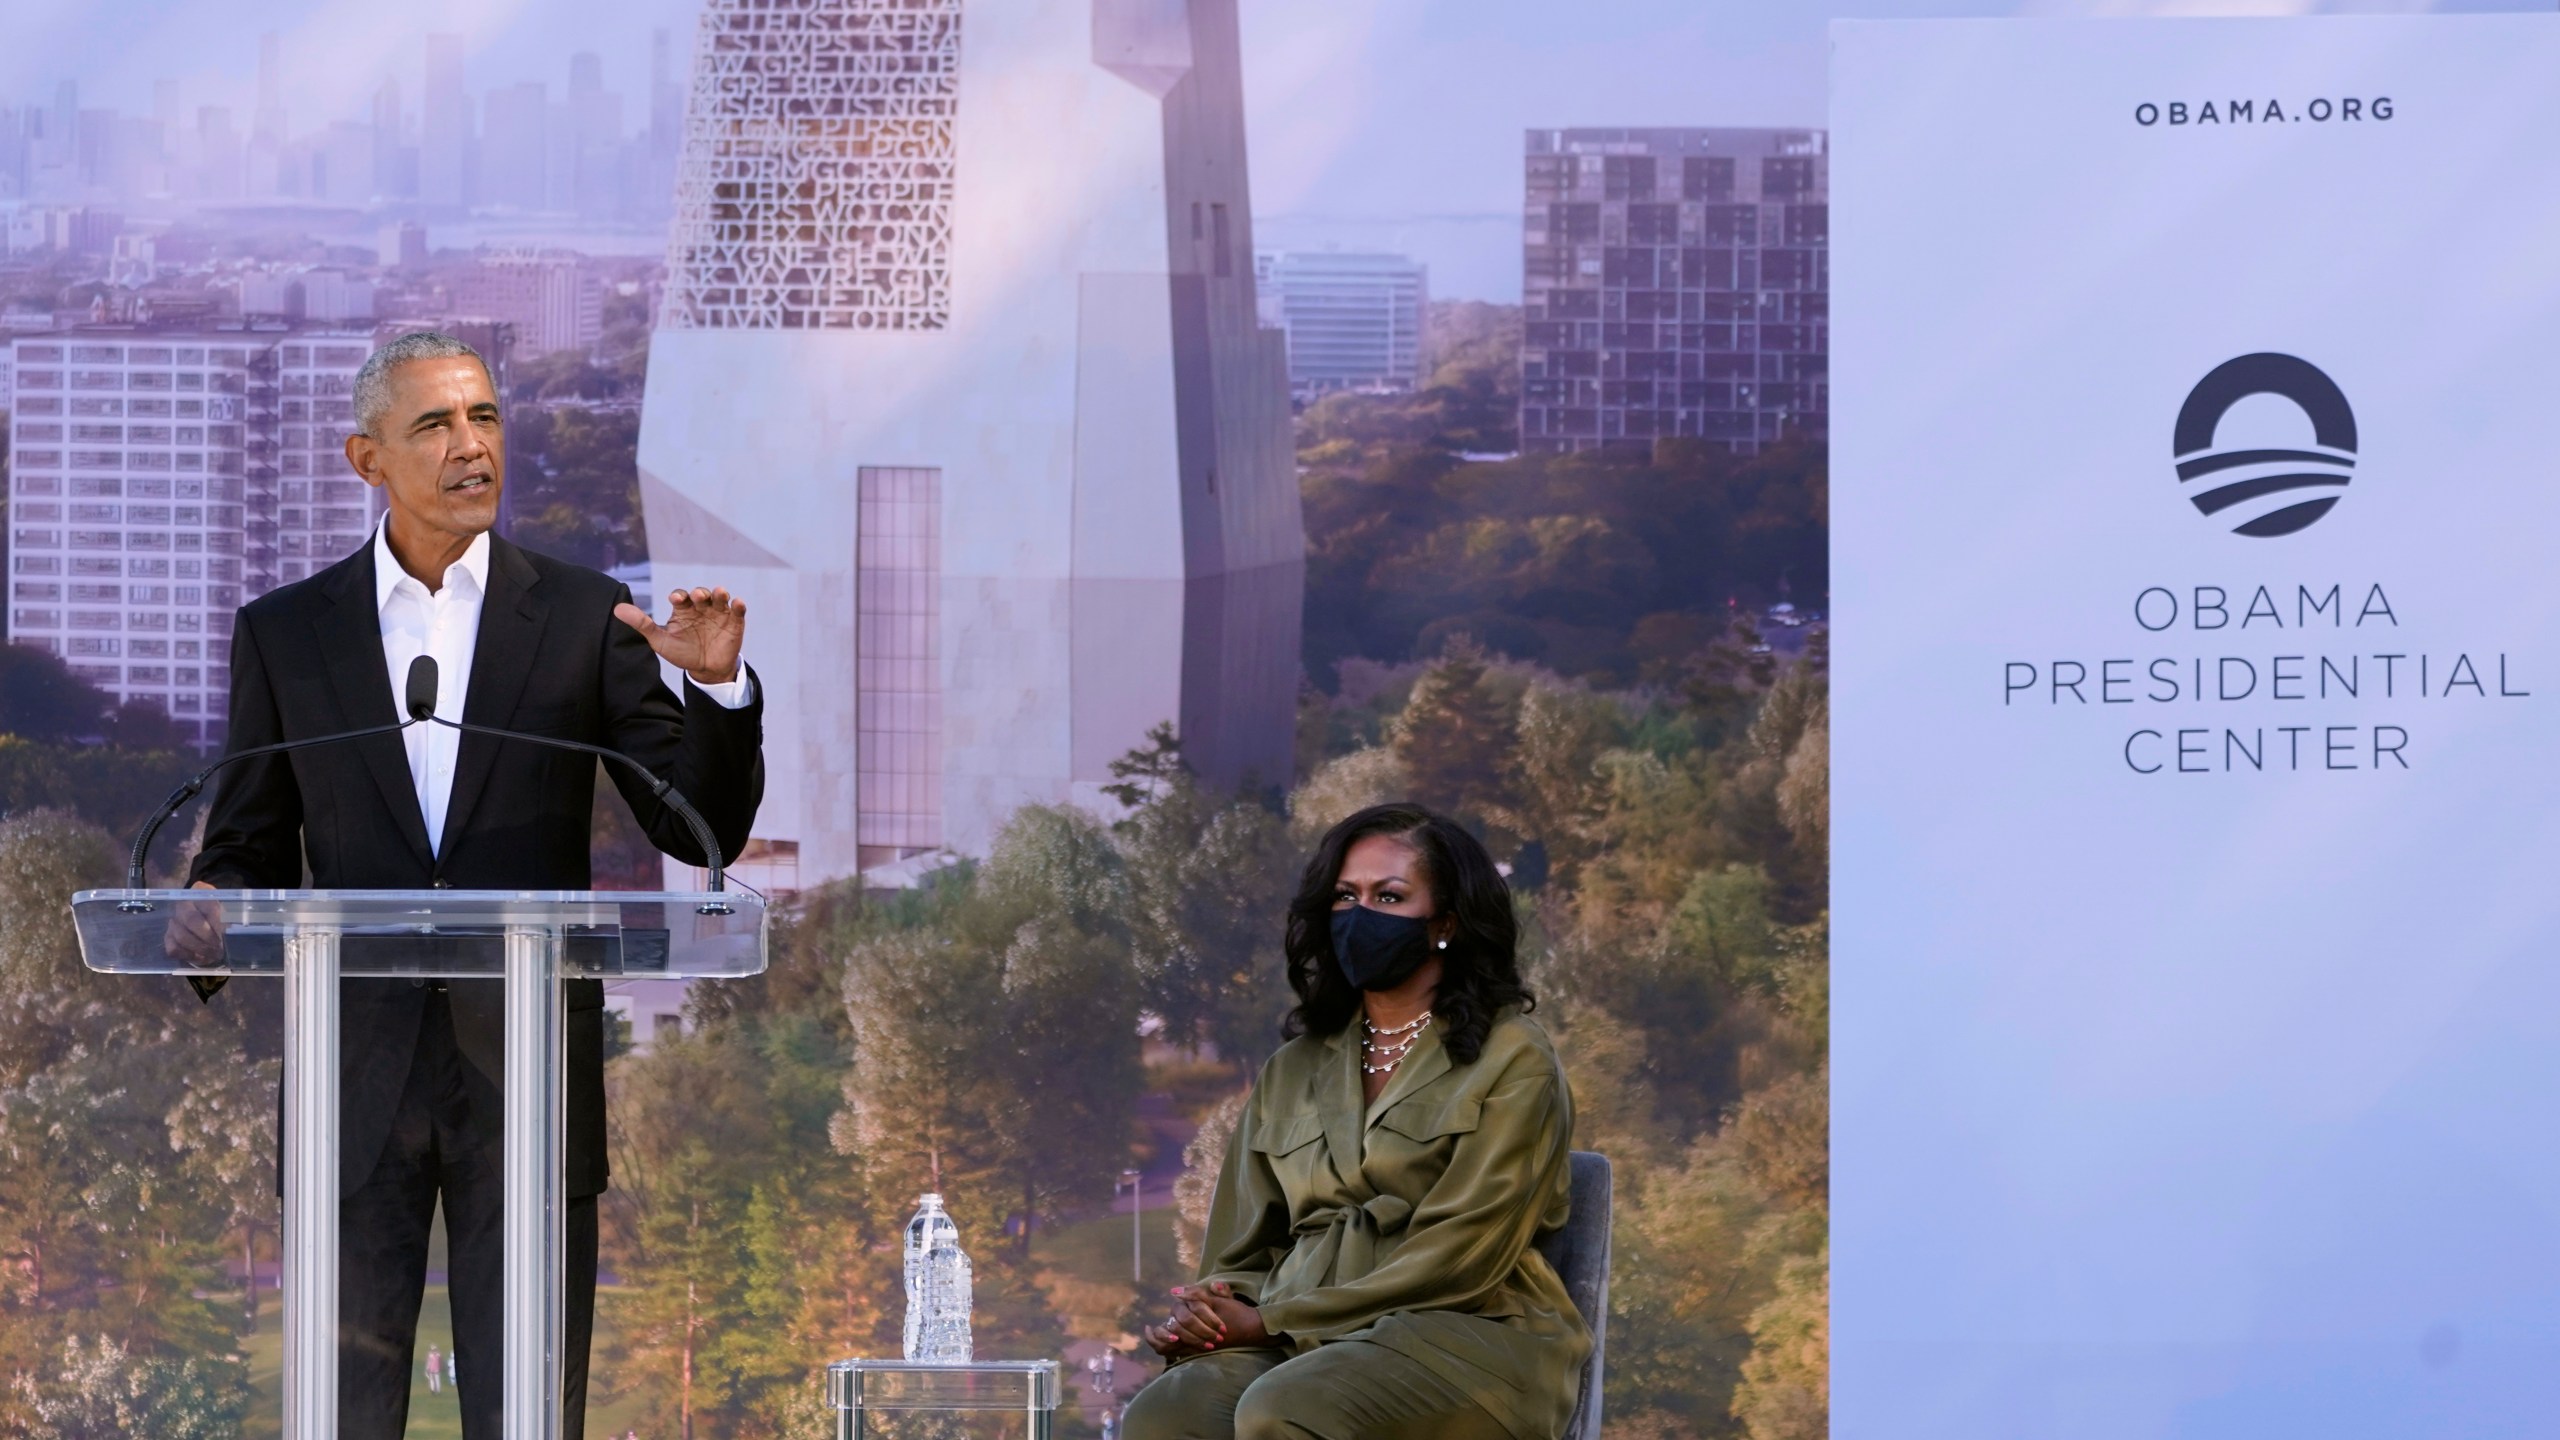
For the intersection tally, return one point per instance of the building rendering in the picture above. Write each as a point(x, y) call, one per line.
point(1354, 319)
point(158, 478)
point(958, 379)
point(1676, 285)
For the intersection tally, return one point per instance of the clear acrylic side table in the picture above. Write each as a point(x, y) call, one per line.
point(1030, 1388)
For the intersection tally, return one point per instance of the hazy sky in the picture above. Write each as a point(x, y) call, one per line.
point(1387, 123)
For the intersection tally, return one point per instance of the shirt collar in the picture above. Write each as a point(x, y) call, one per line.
point(387, 574)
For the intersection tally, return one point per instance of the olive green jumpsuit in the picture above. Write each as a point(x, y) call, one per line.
point(1390, 1245)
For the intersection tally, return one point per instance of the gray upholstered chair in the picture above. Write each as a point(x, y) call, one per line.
point(1580, 1254)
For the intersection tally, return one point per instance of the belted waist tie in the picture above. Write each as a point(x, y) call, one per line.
point(1342, 1239)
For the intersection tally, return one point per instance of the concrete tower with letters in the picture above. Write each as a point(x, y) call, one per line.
point(958, 380)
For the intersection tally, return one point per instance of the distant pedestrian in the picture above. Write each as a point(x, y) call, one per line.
point(435, 1371)
point(453, 1369)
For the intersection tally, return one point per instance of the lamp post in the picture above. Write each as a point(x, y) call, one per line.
point(1134, 1181)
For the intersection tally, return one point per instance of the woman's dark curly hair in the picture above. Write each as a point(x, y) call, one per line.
point(1480, 971)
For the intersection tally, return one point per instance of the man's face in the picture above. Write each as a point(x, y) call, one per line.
point(441, 454)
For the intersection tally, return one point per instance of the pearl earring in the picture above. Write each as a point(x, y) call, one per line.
point(1444, 944)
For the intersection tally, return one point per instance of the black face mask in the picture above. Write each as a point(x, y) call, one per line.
point(1376, 950)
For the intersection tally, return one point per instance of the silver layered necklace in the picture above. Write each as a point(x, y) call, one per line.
point(1391, 1045)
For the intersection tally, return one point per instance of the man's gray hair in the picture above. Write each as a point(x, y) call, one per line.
point(373, 382)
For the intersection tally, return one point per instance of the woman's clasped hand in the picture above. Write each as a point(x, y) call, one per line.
point(1207, 1317)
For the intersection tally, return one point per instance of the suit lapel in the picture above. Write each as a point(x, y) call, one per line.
point(511, 620)
point(349, 628)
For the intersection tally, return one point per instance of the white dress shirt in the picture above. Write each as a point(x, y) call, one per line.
point(446, 625)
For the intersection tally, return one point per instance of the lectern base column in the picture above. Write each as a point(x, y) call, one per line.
point(310, 1249)
point(534, 1214)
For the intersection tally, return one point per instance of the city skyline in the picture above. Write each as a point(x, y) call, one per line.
point(434, 146)
point(1375, 124)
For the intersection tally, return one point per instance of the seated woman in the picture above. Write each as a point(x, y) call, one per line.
point(1368, 1272)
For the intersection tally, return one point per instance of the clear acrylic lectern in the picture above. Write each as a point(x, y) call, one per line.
point(532, 940)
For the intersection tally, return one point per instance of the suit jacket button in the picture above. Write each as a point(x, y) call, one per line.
point(440, 883)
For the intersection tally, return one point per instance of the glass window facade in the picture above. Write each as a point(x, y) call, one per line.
point(1354, 320)
point(1676, 285)
point(898, 664)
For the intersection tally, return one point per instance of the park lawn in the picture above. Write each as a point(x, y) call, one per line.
point(1095, 1253)
point(431, 1416)
point(1085, 1265)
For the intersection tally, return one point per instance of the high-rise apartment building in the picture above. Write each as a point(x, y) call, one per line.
point(514, 118)
point(595, 119)
point(221, 158)
point(958, 379)
point(270, 121)
point(666, 123)
point(444, 140)
point(158, 479)
point(1677, 285)
point(402, 246)
point(388, 150)
point(18, 128)
point(554, 299)
point(1354, 319)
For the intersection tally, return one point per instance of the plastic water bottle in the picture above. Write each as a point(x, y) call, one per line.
point(938, 1286)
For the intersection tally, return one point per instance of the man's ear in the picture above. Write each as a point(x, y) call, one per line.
point(364, 454)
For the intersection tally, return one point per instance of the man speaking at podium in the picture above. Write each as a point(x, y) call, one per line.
point(521, 642)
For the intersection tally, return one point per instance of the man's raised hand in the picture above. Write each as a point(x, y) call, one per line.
point(705, 629)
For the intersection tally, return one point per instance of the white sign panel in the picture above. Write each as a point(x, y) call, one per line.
point(2197, 728)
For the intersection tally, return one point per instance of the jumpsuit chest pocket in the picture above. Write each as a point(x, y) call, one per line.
point(1424, 1121)
point(1411, 1145)
point(1289, 1147)
point(1287, 1137)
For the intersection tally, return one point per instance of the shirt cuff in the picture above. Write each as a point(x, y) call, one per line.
point(732, 694)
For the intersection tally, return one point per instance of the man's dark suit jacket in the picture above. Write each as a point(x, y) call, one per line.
point(306, 660)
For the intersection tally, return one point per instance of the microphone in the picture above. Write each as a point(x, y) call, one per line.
point(422, 688)
point(422, 707)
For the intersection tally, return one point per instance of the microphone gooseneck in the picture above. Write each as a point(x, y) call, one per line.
point(196, 783)
point(664, 791)
point(419, 694)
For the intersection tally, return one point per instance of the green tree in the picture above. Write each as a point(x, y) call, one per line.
point(103, 1392)
point(40, 699)
point(1343, 787)
point(106, 1229)
point(1005, 1053)
point(103, 785)
point(1554, 770)
point(223, 1129)
point(1209, 883)
point(1455, 736)
point(745, 1245)
point(573, 478)
point(1785, 1392)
